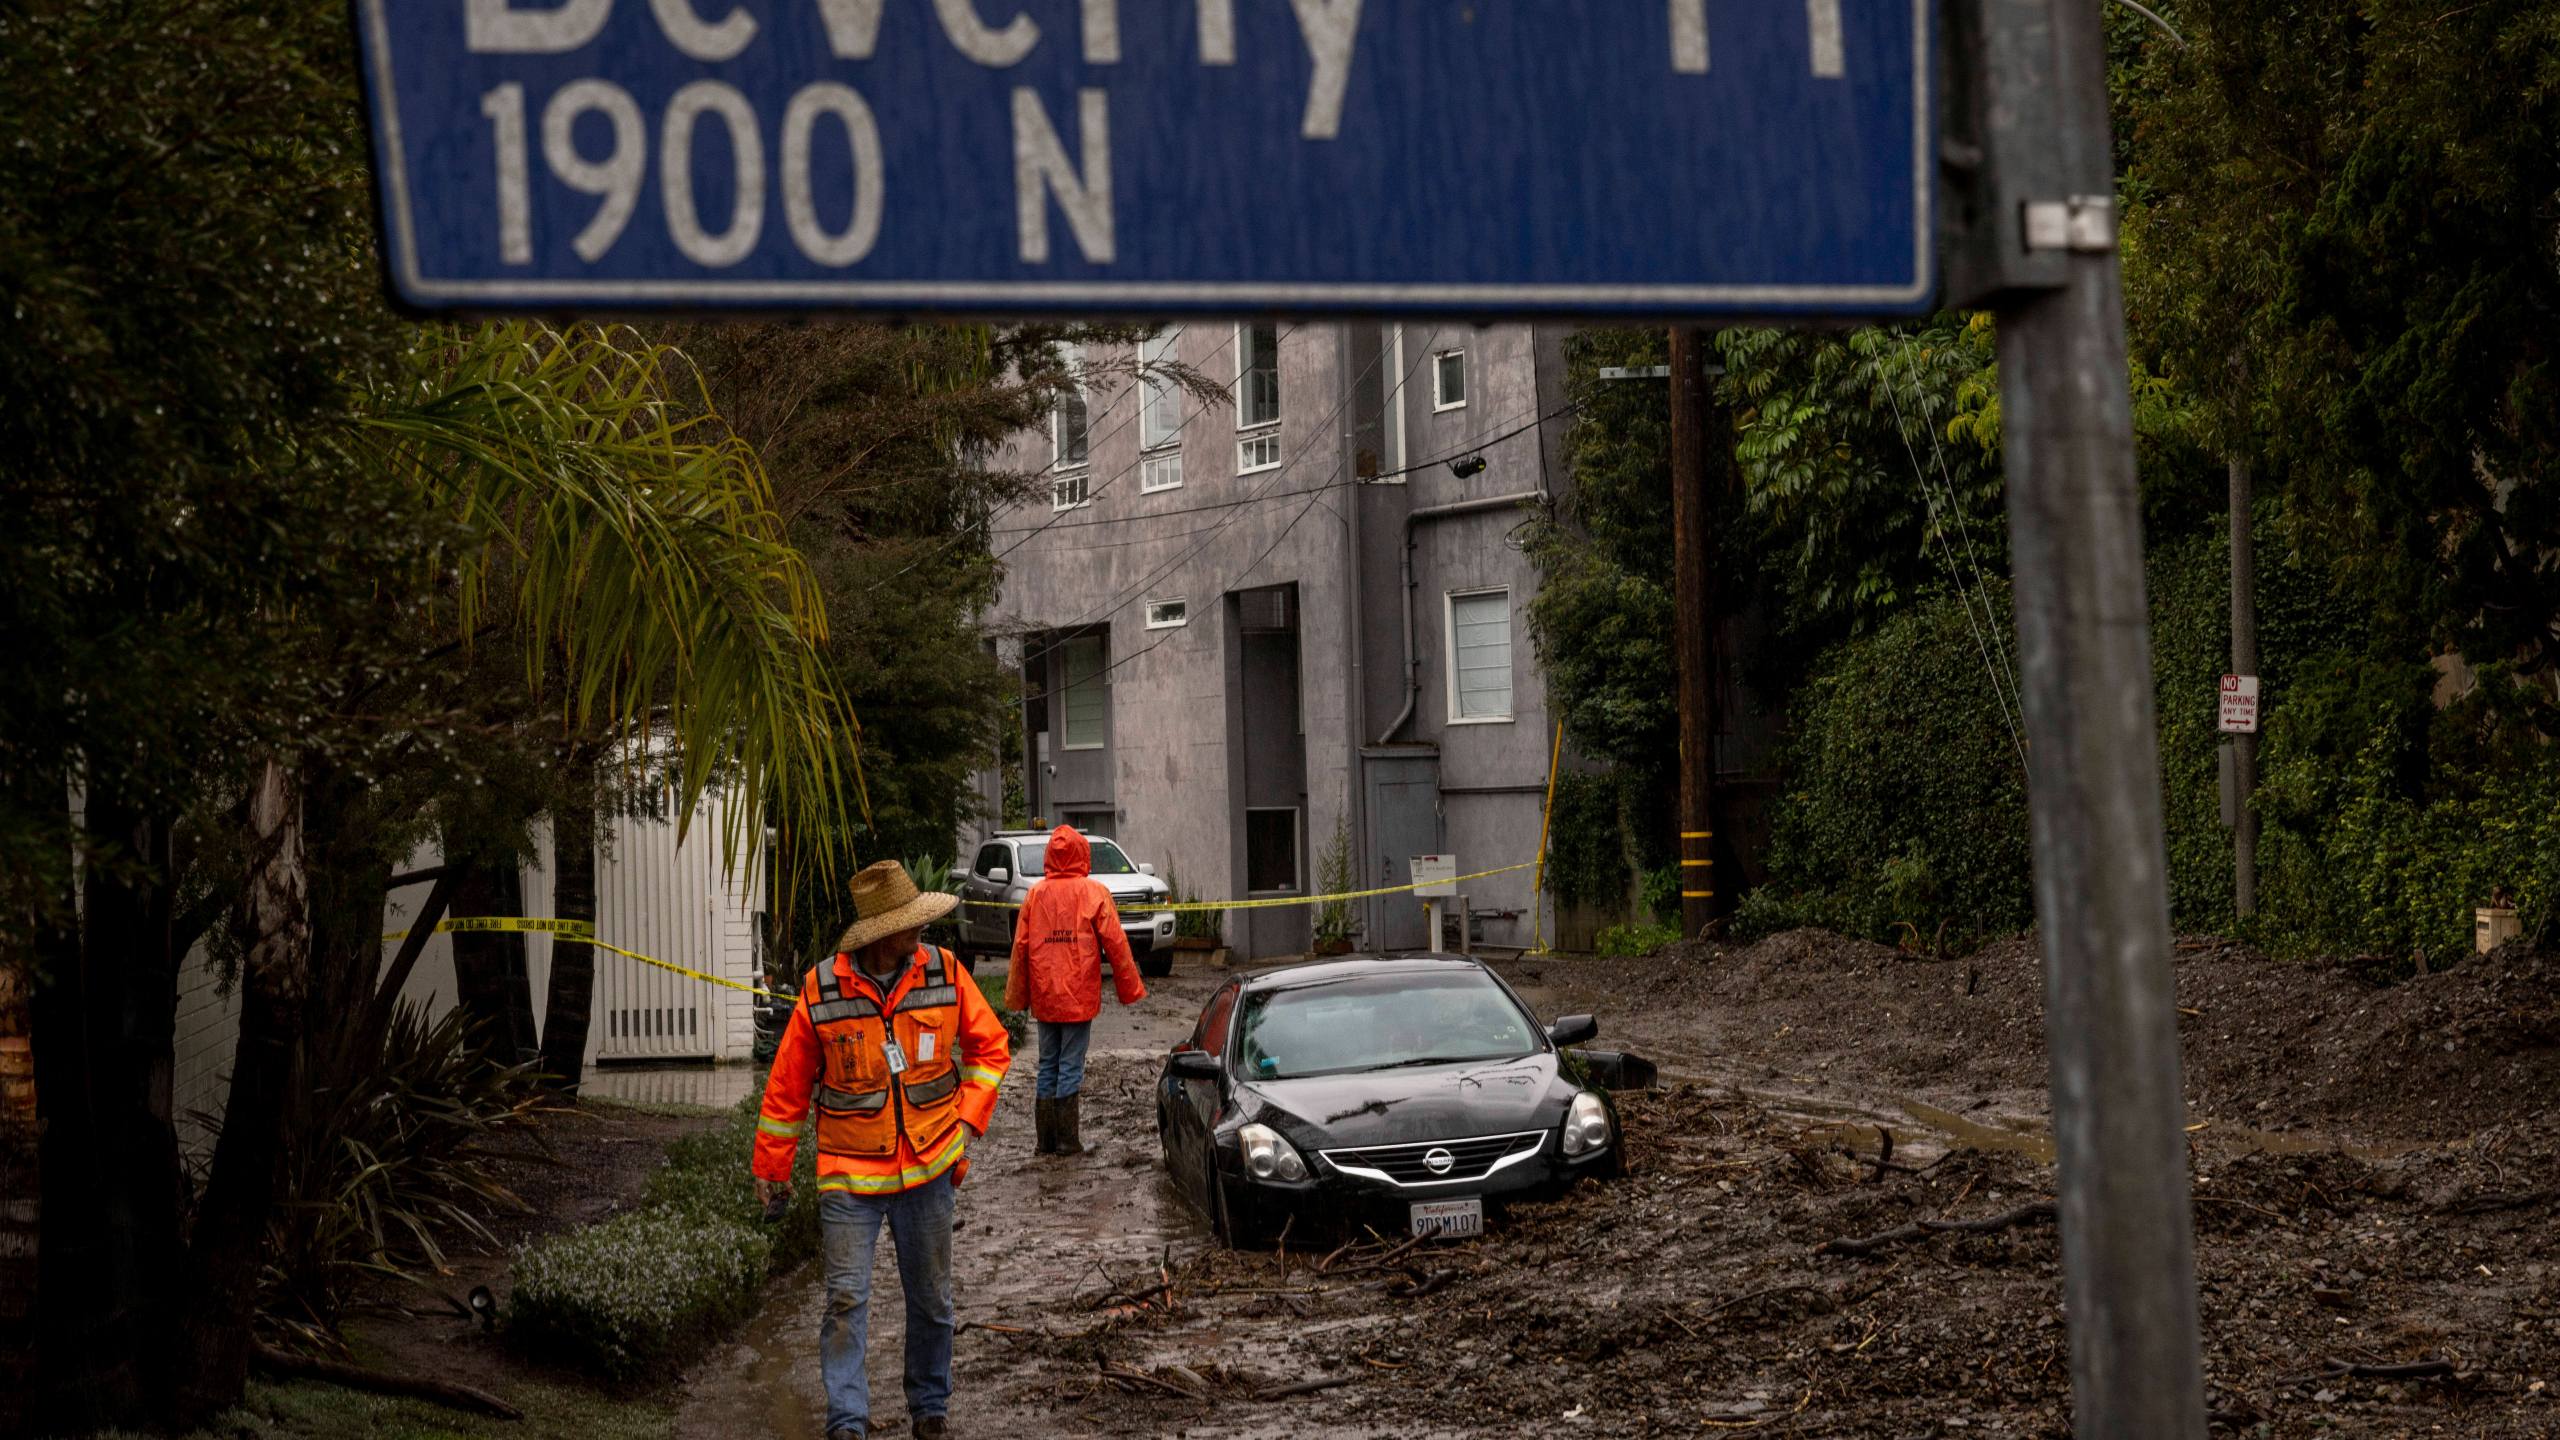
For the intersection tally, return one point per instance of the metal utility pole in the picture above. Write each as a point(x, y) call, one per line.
point(2244, 661)
point(1692, 538)
point(2093, 759)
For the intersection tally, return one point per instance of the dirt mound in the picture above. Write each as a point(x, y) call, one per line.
point(2268, 1044)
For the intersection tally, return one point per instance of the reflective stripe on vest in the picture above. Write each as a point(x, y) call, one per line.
point(928, 998)
point(855, 1007)
point(833, 1099)
point(934, 1091)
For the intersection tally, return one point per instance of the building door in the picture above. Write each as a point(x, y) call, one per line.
point(1404, 821)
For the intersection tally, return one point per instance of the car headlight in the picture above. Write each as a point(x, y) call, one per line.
point(1268, 1157)
point(1586, 1125)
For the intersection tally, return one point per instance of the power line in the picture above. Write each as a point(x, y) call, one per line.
point(1161, 571)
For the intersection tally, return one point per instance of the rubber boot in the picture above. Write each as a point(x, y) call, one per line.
point(1045, 1122)
point(1070, 1124)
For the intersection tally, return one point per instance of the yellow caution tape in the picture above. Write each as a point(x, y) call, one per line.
point(1207, 907)
point(584, 930)
point(576, 930)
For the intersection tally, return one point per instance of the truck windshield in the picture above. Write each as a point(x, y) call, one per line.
point(1107, 859)
point(1380, 1022)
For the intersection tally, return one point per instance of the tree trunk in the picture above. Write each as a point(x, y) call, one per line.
point(105, 1003)
point(488, 965)
point(229, 1245)
point(573, 963)
point(21, 1198)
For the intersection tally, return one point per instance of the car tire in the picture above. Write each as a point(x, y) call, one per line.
point(1155, 964)
point(1232, 1230)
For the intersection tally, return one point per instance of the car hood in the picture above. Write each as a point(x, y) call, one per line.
point(1392, 1107)
point(1120, 885)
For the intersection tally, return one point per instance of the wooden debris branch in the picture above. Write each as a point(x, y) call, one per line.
point(2357, 1370)
point(284, 1365)
point(2033, 1212)
point(1307, 1387)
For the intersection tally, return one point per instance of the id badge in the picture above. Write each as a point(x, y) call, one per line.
point(897, 1057)
point(924, 1048)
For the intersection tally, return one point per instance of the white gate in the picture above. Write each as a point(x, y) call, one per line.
point(674, 903)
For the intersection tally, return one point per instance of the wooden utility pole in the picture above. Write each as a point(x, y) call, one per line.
point(2093, 773)
point(2244, 661)
point(1694, 625)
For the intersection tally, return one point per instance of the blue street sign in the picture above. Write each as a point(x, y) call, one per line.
point(1472, 157)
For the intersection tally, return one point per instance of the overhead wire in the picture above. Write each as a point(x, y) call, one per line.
point(1122, 600)
point(1938, 531)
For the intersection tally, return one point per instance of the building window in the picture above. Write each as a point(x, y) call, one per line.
point(1271, 852)
point(1257, 397)
point(1168, 614)
point(1160, 422)
point(1081, 698)
point(1070, 434)
point(1480, 657)
point(1159, 419)
point(1449, 380)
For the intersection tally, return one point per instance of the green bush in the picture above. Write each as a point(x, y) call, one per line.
point(1905, 801)
point(639, 1294)
point(1623, 941)
point(643, 1292)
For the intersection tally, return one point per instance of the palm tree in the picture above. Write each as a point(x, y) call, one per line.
point(626, 545)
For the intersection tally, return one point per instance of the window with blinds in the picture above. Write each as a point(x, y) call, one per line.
point(1480, 656)
point(1081, 697)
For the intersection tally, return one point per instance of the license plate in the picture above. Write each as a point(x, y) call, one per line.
point(1448, 1217)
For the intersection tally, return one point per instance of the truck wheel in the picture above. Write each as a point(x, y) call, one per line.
point(1156, 964)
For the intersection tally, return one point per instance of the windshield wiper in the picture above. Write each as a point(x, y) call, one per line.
point(1441, 1060)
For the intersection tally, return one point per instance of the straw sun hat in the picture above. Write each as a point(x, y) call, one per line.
point(886, 901)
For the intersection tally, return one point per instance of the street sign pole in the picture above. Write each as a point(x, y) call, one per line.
point(2093, 762)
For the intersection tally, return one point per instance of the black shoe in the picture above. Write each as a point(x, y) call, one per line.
point(1045, 1123)
point(933, 1427)
point(1070, 1125)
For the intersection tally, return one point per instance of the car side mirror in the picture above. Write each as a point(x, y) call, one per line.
point(1145, 868)
point(1000, 876)
point(1574, 1029)
point(1195, 1065)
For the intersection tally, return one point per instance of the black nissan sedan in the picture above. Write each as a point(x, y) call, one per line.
point(1403, 1092)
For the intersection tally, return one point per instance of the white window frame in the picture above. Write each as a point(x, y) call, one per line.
point(1158, 430)
point(1297, 847)
point(1159, 450)
point(1440, 400)
point(1066, 690)
point(1449, 654)
point(1257, 440)
point(1071, 490)
point(1179, 608)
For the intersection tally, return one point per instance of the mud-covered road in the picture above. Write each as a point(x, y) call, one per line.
point(2377, 1177)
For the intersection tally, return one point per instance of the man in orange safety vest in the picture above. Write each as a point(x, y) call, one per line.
point(898, 1054)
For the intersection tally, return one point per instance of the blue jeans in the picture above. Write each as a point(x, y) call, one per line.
point(919, 1222)
point(1062, 1050)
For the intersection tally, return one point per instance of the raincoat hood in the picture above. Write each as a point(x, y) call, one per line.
point(1068, 857)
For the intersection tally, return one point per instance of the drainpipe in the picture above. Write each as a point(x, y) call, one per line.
point(1413, 660)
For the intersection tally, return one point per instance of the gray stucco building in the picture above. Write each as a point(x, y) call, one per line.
point(1248, 626)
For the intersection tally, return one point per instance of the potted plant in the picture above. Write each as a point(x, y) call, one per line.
point(1193, 929)
point(1335, 925)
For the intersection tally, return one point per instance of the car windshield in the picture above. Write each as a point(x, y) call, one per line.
point(1379, 1022)
point(1107, 859)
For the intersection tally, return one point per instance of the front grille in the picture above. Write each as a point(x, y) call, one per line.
point(1410, 1165)
point(1137, 904)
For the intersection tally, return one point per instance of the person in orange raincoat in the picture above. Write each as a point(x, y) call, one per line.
point(1068, 924)
point(900, 1056)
